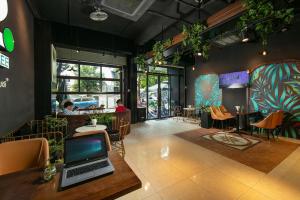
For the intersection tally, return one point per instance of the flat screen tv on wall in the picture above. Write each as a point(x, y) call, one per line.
point(234, 80)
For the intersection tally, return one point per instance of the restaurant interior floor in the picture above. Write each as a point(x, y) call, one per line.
point(173, 168)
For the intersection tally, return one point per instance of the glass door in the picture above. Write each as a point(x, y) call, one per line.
point(164, 96)
point(152, 96)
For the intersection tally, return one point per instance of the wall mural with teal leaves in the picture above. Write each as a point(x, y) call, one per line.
point(277, 87)
point(207, 91)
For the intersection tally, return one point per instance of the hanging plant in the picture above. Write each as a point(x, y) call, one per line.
point(193, 39)
point(140, 60)
point(158, 51)
point(176, 58)
point(264, 10)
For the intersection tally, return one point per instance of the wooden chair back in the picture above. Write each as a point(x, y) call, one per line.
point(123, 131)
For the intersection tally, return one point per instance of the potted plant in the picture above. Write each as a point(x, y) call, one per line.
point(193, 39)
point(140, 60)
point(265, 14)
point(158, 51)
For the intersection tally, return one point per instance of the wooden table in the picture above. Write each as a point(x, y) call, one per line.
point(27, 185)
point(88, 128)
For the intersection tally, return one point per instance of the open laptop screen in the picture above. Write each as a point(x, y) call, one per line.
point(84, 148)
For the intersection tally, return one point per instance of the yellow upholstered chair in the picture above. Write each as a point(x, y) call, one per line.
point(108, 145)
point(23, 154)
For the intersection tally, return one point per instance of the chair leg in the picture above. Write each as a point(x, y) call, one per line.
point(268, 132)
point(213, 123)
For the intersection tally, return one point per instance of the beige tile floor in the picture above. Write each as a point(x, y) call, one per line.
point(171, 168)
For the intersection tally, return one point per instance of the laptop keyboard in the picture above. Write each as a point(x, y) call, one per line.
point(87, 168)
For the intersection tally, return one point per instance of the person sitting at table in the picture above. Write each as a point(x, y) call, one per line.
point(120, 107)
point(68, 108)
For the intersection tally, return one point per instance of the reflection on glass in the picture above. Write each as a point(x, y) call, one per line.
point(67, 85)
point(110, 86)
point(67, 69)
point(90, 86)
point(108, 72)
point(109, 100)
point(141, 90)
point(152, 97)
point(89, 71)
point(164, 92)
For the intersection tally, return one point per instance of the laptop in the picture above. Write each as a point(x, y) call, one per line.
point(85, 157)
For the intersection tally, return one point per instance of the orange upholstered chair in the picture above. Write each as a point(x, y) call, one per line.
point(269, 123)
point(23, 154)
point(108, 145)
point(225, 112)
point(216, 116)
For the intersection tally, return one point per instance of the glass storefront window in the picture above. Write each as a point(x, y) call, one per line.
point(67, 85)
point(85, 85)
point(67, 69)
point(110, 86)
point(161, 70)
point(109, 72)
point(90, 71)
point(90, 86)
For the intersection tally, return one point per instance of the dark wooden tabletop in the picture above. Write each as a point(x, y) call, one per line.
point(28, 185)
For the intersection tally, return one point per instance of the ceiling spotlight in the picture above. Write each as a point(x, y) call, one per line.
point(264, 53)
point(77, 51)
point(193, 68)
point(98, 15)
point(199, 54)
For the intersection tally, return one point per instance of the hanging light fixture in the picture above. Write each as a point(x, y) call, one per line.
point(193, 68)
point(245, 35)
point(264, 52)
point(199, 54)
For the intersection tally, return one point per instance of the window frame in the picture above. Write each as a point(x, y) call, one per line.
point(100, 79)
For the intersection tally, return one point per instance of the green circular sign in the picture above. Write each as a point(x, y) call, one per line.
point(8, 39)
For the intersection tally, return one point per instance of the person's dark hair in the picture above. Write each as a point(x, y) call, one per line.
point(119, 101)
point(67, 104)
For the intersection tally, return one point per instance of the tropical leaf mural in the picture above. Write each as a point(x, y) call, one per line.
point(277, 87)
point(207, 91)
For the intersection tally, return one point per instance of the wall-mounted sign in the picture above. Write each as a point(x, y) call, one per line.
point(7, 42)
point(3, 9)
point(4, 61)
point(3, 84)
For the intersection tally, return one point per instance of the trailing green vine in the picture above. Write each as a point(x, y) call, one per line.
point(140, 60)
point(264, 10)
point(176, 58)
point(193, 39)
point(158, 51)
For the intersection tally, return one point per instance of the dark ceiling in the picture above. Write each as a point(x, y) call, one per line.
point(162, 14)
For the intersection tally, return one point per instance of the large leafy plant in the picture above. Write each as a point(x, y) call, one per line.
point(265, 14)
point(193, 39)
